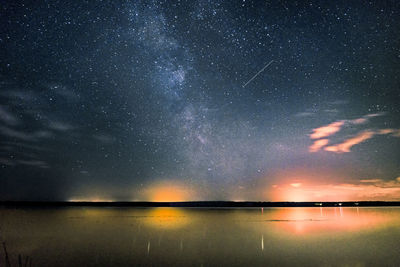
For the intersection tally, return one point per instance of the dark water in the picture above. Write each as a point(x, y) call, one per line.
point(202, 237)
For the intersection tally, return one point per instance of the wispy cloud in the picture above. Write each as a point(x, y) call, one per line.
point(386, 131)
point(393, 132)
point(42, 134)
point(371, 181)
point(17, 134)
point(349, 143)
point(104, 138)
point(6, 161)
point(34, 163)
point(338, 102)
point(64, 91)
point(331, 111)
point(334, 127)
point(372, 115)
point(318, 144)
point(327, 130)
point(346, 146)
point(359, 121)
point(304, 114)
point(24, 146)
point(19, 95)
point(7, 117)
point(60, 126)
point(379, 189)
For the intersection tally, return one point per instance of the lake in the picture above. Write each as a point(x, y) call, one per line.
point(92, 236)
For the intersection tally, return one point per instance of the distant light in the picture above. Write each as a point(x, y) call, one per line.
point(90, 200)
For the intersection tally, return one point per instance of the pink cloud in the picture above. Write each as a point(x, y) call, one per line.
point(386, 131)
point(349, 143)
point(366, 118)
point(334, 127)
point(375, 115)
point(396, 133)
point(323, 133)
point(359, 121)
point(327, 130)
point(318, 144)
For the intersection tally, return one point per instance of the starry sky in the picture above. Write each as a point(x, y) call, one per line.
point(200, 100)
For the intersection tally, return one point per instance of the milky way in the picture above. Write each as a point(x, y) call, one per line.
point(107, 99)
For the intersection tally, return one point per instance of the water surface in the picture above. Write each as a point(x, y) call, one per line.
point(79, 236)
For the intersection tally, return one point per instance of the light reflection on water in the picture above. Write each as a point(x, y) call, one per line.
point(203, 237)
point(325, 220)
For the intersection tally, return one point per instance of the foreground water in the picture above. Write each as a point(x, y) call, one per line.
point(202, 237)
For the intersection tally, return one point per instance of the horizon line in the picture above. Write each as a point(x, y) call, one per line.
point(208, 204)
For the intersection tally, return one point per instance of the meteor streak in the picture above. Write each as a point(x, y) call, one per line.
point(252, 78)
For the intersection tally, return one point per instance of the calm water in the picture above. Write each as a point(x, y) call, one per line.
point(202, 237)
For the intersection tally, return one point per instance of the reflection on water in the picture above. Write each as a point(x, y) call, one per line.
point(203, 237)
point(166, 218)
point(325, 220)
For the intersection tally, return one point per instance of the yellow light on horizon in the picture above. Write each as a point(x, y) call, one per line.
point(89, 200)
point(168, 192)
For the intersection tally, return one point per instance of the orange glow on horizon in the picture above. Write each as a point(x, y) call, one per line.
point(168, 192)
point(301, 185)
point(313, 192)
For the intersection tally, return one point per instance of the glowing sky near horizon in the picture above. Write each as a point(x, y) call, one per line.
point(144, 100)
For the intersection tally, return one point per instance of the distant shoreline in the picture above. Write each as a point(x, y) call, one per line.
point(199, 204)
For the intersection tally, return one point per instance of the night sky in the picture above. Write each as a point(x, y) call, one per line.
point(170, 100)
